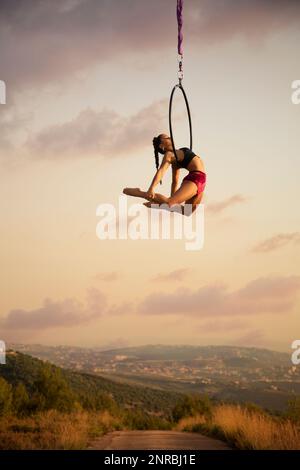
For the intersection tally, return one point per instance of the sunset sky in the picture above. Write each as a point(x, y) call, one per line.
point(88, 85)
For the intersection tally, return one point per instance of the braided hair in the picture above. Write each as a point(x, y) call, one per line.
point(157, 150)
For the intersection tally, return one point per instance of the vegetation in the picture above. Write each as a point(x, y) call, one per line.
point(192, 405)
point(45, 407)
point(90, 391)
point(54, 430)
point(245, 427)
point(293, 410)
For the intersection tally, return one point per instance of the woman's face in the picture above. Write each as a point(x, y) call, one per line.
point(163, 145)
point(161, 149)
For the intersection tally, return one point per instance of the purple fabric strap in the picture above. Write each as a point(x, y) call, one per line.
point(180, 23)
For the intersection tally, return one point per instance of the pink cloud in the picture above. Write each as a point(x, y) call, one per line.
point(176, 275)
point(121, 309)
point(263, 295)
point(51, 314)
point(54, 314)
point(100, 133)
point(110, 276)
point(277, 241)
point(254, 338)
point(66, 313)
point(220, 326)
point(42, 41)
point(217, 208)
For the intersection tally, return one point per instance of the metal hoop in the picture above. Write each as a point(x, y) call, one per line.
point(170, 117)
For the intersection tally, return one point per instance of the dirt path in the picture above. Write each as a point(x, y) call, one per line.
point(155, 440)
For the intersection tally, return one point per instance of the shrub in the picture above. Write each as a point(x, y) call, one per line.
point(192, 405)
point(51, 392)
point(20, 400)
point(139, 419)
point(293, 410)
point(5, 397)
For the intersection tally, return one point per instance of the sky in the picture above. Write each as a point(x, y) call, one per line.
point(88, 85)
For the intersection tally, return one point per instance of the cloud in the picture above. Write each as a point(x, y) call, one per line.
point(260, 296)
point(50, 315)
point(96, 303)
point(110, 276)
point(277, 241)
point(176, 275)
point(49, 40)
point(254, 337)
point(64, 314)
point(217, 208)
point(220, 326)
point(121, 309)
point(99, 133)
point(271, 288)
point(250, 338)
point(12, 124)
point(221, 20)
point(54, 314)
point(58, 38)
point(117, 343)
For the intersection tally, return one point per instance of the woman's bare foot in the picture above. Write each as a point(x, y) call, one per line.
point(152, 205)
point(132, 191)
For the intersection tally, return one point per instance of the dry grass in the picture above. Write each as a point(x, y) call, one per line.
point(101, 423)
point(254, 430)
point(190, 422)
point(240, 427)
point(246, 429)
point(54, 430)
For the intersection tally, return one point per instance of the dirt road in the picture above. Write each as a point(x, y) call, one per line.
point(156, 440)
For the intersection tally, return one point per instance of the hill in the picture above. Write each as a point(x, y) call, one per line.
point(231, 373)
point(26, 369)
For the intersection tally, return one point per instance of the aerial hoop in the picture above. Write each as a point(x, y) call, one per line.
point(179, 14)
point(170, 116)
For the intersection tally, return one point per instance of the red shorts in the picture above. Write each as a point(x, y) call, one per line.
point(197, 177)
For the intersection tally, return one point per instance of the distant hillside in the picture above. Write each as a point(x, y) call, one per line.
point(24, 368)
point(230, 373)
point(247, 356)
point(231, 355)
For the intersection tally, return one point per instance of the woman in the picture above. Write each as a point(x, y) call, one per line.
point(193, 184)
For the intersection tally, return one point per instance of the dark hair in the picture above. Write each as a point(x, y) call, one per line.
point(157, 150)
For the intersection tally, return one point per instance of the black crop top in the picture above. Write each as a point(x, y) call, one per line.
point(188, 157)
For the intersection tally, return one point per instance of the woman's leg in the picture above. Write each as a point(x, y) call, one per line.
point(137, 192)
point(187, 190)
point(194, 201)
point(186, 193)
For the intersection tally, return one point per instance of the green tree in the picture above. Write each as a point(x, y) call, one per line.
point(20, 399)
point(190, 405)
point(5, 397)
point(51, 391)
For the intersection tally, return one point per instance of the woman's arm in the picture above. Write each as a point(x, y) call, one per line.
point(175, 179)
point(160, 172)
